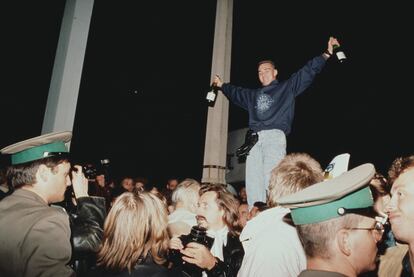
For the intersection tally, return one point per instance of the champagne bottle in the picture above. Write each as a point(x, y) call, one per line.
point(339, 53)
point(212, 95)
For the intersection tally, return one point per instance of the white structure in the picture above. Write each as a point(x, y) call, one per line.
point(214, 165)
point(67, 69)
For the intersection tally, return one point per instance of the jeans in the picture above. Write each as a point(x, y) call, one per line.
point(263, 157)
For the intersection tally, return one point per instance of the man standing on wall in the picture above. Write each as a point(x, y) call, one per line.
point(271, 110)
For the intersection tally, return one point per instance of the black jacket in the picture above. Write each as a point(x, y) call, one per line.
point(86, 222)
point(233, 254)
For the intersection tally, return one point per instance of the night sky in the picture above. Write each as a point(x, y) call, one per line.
point(147, 70)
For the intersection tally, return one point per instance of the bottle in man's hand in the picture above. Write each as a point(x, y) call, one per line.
point(211, 96)
point(339, 53)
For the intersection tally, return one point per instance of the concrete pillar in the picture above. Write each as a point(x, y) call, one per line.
point(214, 165)
point(67, 69)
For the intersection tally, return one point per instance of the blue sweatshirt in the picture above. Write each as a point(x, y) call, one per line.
point(273, 106)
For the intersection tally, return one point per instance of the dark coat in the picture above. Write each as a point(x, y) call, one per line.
point(86, 222)
point(233, 254)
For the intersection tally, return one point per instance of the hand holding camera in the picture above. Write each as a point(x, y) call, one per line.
point(198, 254)
point(192, 251)
point(79, 182)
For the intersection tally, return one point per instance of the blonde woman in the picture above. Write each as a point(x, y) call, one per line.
point(135, 237)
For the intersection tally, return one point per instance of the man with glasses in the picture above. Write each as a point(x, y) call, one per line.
point(337, 224)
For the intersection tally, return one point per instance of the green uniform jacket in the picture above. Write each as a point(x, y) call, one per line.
point(34, 237)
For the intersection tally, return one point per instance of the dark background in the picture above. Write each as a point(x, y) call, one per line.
point(147, 70)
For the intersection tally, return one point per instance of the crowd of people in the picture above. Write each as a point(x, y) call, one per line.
point(357, 224)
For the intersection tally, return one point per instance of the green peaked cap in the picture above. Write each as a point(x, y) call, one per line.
point(38, 147)
point(331, 198)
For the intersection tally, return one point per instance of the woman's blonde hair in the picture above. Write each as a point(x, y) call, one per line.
point(135, 227)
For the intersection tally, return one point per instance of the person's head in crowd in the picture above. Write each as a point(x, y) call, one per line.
point(336, 223)
point(100, 180)
point(172, 183)
point(243, 214)
point(217, 208)
point(295, 172)
point(169, 188)
point(400, 208)
point(153, 189)
point(135, 231)
point(186, 195)
point(242, 194)
point(140, 183)
point(258, 207)
point(185, 201)
point(380, 192)
point(127, 183)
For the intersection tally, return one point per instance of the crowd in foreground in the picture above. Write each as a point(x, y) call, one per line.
point(356, 224)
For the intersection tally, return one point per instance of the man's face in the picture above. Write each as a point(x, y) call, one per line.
point(139, 186)
point(243, 214)
point(267, 73)
point(100, 180)
point(208, 213)
point(128, 184)
point(401, 206)
point(58, 182)
point(172, 184)
point(363, 245)
point(243, 194)
point(253, 212)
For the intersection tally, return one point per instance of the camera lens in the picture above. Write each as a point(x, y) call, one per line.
point(198, 234)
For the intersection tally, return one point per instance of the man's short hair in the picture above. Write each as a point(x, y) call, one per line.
point(261, 206)
point(186, 192)
point(266, 61)
point(398, 166)
point(317, 238)
point(295, 172)
point(25, 174)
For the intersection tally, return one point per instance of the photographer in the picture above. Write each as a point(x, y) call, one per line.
point(217, 213)
point(86, 217)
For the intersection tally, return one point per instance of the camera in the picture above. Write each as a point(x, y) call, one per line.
point(197, 234)
point(90, 170)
